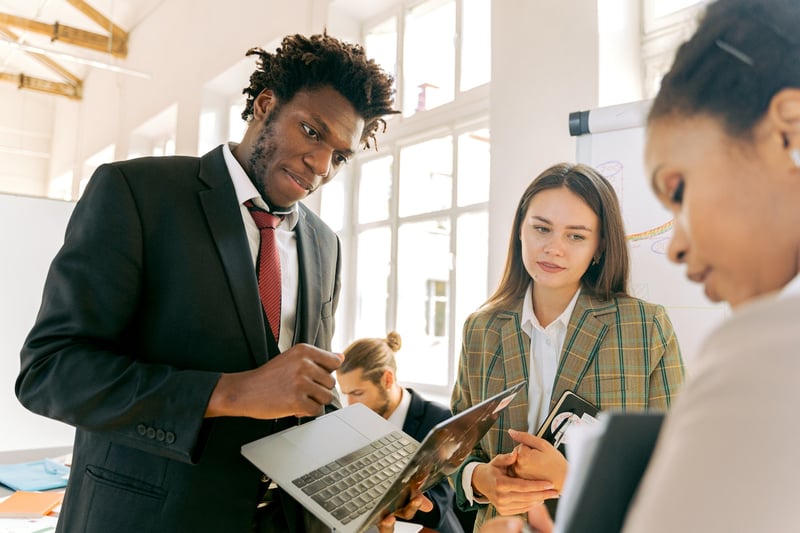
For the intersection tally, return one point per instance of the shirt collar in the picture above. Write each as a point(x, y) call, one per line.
point(398, 417)
point(792, 288)
point(245, 190)
point(529, 320)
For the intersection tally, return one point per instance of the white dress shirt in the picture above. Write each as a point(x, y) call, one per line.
point(284, 238)
point(545, 354)
point(398, 417)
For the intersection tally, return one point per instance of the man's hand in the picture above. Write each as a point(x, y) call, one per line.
point(510, 495)
point(297, 382)
point(538, 459)
point(419, 503)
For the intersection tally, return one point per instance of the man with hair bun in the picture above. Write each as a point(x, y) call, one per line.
point(368, 375)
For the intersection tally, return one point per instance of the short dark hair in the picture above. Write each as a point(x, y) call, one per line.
point(321, 60)
point(604, 279)
point(742, 54)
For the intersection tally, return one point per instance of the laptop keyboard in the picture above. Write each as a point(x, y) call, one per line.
point(352, 485)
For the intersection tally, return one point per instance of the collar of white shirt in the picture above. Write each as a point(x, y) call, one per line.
point(529, 320)
point(398, 417)
point(792, 288)
point(245, 190)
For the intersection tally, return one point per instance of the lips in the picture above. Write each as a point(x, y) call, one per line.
point(550, 267)
point(300, 181)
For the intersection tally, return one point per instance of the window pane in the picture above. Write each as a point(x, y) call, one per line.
point(665, 7)
point(426, 181)
point(380, 43)
point(374, 268)
point(429, 56)
point(472, 251)
point(476, 44)
point(473, 167)
point(374, 190)
point(332, 200)
point(422, 300)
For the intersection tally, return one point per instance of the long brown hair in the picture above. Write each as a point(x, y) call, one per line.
point(373, 356)
point(607, 277)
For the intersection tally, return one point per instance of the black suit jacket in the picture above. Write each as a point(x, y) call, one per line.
point(445, 517)
point(151, 297)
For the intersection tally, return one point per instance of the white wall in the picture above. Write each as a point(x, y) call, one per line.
point(544, 66)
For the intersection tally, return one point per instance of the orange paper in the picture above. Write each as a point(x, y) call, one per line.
point(24, 504)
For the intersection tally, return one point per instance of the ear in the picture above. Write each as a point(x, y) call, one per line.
point(263, 104)
point(784, 115)
point(387, 379)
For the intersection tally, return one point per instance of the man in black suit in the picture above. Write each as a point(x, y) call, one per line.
point(368, 375)
point(151, 339)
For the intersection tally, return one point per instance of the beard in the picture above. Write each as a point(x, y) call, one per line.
point(261, 158)
point(383, 407)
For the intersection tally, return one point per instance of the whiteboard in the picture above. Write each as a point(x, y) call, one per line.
point(612, 139)
point(31, 232)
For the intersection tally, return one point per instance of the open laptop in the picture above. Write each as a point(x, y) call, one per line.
point(603, 480)
point(351, 467)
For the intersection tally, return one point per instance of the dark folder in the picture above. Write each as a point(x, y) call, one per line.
point(608, 476)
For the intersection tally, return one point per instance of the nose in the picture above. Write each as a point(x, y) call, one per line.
point(553, 247)
point(679, 244)
point(319, 161)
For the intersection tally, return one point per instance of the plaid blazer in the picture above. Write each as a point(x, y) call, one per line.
point(618, 354)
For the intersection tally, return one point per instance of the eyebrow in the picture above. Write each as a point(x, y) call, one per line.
point(323, 127)
point(576, 226)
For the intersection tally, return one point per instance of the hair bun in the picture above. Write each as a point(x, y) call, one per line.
point(393, 340)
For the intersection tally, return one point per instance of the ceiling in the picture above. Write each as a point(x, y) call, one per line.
point(49, 45)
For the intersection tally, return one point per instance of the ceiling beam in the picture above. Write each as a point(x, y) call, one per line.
point(100, 19)
point(117, 47)
point(68, 76)
point(45, 86)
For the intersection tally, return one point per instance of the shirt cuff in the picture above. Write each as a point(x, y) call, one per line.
point(466, 484)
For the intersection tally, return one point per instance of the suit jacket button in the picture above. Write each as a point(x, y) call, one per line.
point(170, 437)
point(160, 435)
point(141, 429)
point(151, 433)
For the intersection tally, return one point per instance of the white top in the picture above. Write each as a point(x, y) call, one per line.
point(284, 238)
point(545, 354)
point(727, 458)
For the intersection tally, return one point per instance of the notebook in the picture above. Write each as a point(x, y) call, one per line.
point(351, 467)
point(606, 471)
point(569, 410)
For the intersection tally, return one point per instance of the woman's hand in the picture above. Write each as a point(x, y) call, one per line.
point(538, 459)
point(509, 494)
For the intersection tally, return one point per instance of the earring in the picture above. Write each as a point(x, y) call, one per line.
point(595, 260)
point(794, 153)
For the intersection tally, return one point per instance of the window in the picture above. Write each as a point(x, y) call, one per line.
point(667, 24)
point(416, 238)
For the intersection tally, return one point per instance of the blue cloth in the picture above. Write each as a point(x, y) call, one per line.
point(36, 475)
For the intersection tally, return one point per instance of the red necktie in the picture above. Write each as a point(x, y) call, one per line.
point(268, 266)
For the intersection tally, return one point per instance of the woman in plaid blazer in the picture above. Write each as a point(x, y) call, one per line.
point(560, 319)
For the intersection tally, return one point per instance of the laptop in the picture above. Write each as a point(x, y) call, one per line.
point(604, 477)
point(351, 467)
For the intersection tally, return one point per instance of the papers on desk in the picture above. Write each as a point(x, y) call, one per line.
point(45, 524)
point(36, 475)
point(24, 504)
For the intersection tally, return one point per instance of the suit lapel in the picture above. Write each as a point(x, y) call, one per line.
point(515, 348)
point(225, 222)
point(310, 292)
point(414, 416)
point(585, 334)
